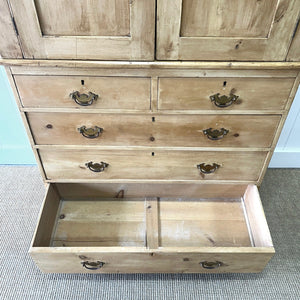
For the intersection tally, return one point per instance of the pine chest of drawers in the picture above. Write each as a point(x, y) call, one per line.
point(152, 166)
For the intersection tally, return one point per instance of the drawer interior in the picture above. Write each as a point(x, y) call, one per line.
point(152, 216)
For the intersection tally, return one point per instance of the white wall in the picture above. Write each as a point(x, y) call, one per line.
point(287, 152)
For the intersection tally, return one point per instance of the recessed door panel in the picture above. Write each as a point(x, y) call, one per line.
point(95, 29)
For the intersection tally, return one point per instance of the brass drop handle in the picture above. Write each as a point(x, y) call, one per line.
point(208, 169)
point(97, 167)
point(84, 99)
point(223, 101)
point(93, 265)
point(215, 134)
point(211, 264)
point(90, 133)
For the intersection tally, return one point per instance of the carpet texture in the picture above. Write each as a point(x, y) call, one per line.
point(21, 194)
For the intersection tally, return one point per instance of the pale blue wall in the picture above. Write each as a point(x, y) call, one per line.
point(14, 144)
point(15, 147)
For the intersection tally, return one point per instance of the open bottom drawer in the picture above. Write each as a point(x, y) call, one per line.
point(151, 228)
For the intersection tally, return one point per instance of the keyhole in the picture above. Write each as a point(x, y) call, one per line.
point(153, 119)
point(82, 82)
point(153, 153)
point(224, 83)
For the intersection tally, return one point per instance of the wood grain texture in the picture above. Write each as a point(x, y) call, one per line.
point(235, 18)
point(193, 93)
point(139, 45)
point(47, 218)
point(141, 130)
point(185, 223)
point(19, 65)
point(235, 260)
point(162, 165)
point(113, 92)
point(9, 47)
point(171, 46)
point(93, 18)
point(106, 223)
point(152, 223)
point(256, 217)
point(136, 190)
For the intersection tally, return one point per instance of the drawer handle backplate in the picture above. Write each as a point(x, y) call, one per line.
point(97, 167)
point(84, 99)
point(208, 169)
point(92, 265)
point(223, 101)
point(211, 264)
point(90, 133)
point(215, 134)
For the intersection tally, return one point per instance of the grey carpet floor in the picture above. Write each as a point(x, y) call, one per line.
point(21, 193)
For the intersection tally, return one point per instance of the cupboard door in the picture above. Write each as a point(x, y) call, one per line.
point(96, 29)
point(225, 30)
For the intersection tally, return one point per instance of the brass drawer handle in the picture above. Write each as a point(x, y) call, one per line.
point(84, 99)
point(97, 167)
point(90, 133)
point(208, 169)
point(215, 134)
point(211, 264)
point(223, 101)
point(91, 265)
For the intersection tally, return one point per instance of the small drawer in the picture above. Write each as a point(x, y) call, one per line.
point(265, 94)
point(158, 131)
point(151, 228)
point(98, 165)
point(84, 92)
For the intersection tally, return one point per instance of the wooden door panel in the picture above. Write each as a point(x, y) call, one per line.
point(97, 29)
point(225, 30)
point(234, 18)
point(112, 16)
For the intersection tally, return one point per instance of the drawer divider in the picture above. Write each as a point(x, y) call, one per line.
point(152, 236)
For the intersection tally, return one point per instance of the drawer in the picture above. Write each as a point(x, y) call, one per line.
point(111, 92)
point(265, 94)
point(145, 130)
point(151, 228)
point(72, 164)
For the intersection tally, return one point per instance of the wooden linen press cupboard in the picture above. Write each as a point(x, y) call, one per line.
point(152, 123)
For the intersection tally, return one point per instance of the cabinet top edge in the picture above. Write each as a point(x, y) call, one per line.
point(149, 65)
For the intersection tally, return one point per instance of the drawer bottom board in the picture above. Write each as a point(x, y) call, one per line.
point(151, 234)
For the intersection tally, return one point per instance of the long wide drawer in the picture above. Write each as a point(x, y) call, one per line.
point(60, 164)
point(153, 228)
point(84, 92)
point(221, 93)
point(160, 130)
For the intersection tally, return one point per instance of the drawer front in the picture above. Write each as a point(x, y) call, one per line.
point(168, 130)
point(113, 92)
point(253, 93)
point(91, 129)
point(159, 165)
point(233, 260)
